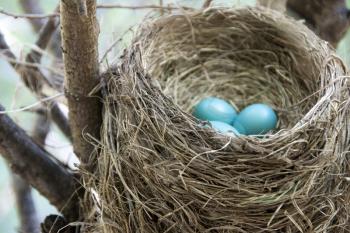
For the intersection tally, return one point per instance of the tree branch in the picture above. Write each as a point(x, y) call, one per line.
point(23, 191)
point(33, 78)
point(33, 7)
point(28, 16)
point(29, 221)
point(207, 4)
point(330, 19)
point(37, 167)
point(45, 35)
point(42, 127)
point(36, 16)
point(80, 56)
point(140, 7)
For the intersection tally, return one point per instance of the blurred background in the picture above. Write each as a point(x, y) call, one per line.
point(19, 34)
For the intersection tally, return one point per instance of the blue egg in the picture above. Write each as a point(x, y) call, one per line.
point(256, 119)
point(224, 128)
point(215, 109)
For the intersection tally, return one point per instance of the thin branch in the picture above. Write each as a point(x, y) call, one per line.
point(45, 35)
point(28, 16)
point(161, 10)
point(80, 56)
point(33, 7)
point(60, 119)
point(100, 6)
point(23, 191)
point(27, 213)
point(33, 78)
point(207, 4)
point(42, 126)
point(140, 7)
point(37, 166)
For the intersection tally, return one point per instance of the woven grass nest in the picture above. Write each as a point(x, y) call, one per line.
point(162, 170)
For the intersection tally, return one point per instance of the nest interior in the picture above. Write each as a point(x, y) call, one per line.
point(160, 170)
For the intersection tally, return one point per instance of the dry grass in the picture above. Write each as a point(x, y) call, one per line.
point(160, 170)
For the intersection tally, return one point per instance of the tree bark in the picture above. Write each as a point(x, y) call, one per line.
point(79, 32)
point(38, 167)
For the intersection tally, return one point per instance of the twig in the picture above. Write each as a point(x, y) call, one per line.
point(32, 106)
point(100, 6)
point(28, 16)
point(23, 191)
point(42, 126)
point(80, 56)
point(161, 10)
point(27, 213)
point(141, 7)
point(37, 166)
point(20, 64)
point(33, 7)
point(60, 119)
point(45, 35)
point(207, 4)
point(32, 78)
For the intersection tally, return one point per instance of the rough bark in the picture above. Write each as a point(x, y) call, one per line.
point(330, 19)
point(79, 32)
point(37, 167)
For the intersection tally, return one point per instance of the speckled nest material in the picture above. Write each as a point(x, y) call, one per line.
point(161, 170)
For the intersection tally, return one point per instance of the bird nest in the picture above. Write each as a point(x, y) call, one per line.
point(161, 170)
